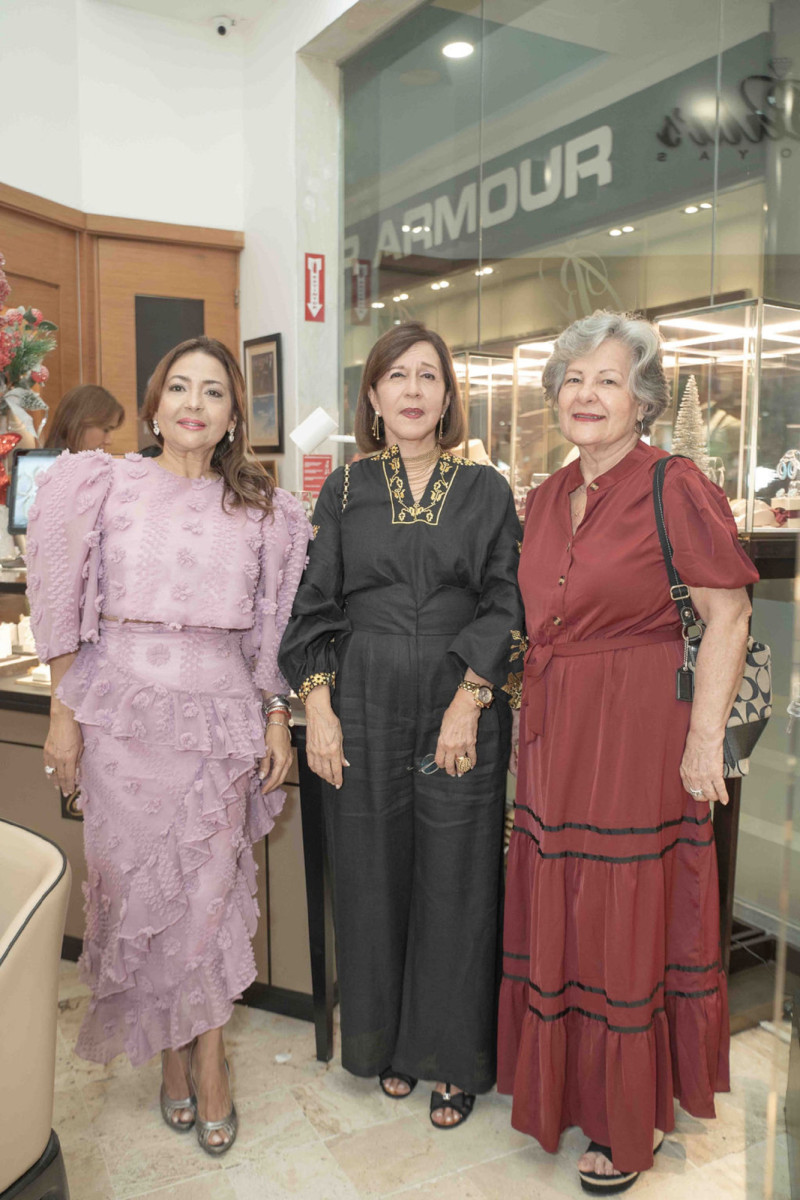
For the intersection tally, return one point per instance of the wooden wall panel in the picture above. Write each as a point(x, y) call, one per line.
point(129, 268)
point(42, 268)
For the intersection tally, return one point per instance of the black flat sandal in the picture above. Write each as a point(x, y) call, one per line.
point(408, 1080)
point(609, 1185)
point(462, 1102)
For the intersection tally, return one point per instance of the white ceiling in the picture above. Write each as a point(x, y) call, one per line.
point(198, 12)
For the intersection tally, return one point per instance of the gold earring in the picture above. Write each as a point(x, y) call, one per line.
point(376, 425)
point(440, 431)
point(639, 427)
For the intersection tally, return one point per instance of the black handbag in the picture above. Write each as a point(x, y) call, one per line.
point(752, 707)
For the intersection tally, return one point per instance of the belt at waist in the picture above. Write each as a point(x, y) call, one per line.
point(537, 660)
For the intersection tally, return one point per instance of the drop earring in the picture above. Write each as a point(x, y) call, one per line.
point(156, 430)
point(440, 431)
point(376, 425)
point(230, 434)
point(639, 427)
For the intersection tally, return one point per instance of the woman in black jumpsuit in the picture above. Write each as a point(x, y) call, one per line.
point(404, 597)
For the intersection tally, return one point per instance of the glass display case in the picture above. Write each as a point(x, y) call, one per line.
point(745, 360)
point(487, 387)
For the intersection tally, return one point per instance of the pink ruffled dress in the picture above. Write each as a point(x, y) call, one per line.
point(170, 711)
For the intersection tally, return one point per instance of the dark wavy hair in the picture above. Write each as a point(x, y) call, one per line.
point(246, 481)
point(388, 348)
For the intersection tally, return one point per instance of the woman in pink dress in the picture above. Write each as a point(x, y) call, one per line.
point(159, 591)
point(613, 998)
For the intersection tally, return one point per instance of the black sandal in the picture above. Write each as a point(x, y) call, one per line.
point(390, 1073)
point(609, 1185)
point(462, 1102)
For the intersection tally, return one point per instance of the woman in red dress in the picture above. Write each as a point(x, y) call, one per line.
point(613, 998)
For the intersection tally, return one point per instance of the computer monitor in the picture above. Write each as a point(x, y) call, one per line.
point(26, 469)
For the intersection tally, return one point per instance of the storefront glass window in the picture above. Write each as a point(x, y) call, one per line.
point(511, 165)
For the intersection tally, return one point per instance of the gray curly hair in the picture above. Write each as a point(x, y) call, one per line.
point(647, 381)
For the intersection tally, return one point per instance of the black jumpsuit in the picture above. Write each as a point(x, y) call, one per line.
point(397, 600)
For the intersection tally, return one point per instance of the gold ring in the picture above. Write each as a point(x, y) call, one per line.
point(463, 764)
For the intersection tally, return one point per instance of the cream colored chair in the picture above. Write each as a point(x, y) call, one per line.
point(34, 886)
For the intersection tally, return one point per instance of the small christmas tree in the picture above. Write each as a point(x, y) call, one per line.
point(689, 434)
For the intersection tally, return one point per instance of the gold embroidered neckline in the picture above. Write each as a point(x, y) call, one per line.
point(405, 513)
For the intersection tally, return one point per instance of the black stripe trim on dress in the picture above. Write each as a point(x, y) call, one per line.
point(596, 1017)
point(618, 832)
point(692, 995)
point(629, 858)
point(585, 987)
point(602, 992)
point(669, 967)
point(698, 970)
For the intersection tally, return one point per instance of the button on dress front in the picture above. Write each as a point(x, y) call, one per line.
point(613, 997)
point(167, 697)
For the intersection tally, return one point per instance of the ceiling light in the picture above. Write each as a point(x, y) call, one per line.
point(400, 296)
point(405, 229)
point(691, 208)
point(435, 286)
point(426, 228)
point(615, 233)
point(417, 229)
point(705, 204)
point(627, 228)
point(378, 304)
point(485, 271)
point(443, 283)
point(458, 49)
point(398, 322)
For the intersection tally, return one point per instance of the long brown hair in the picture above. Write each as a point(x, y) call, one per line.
point(246, 481)
point(81, 407)
point(388, 348)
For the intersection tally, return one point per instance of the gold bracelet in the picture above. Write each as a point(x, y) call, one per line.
point(320, 679)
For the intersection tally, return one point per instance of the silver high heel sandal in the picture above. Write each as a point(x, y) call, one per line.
point(228, 1126)
point(170, 1108)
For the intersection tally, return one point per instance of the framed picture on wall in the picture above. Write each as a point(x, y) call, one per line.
point(262, 374)
point(270, 465)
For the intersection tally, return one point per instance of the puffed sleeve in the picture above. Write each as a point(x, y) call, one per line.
point(701, 529)
point(307, 655)
point(492, 643)
point(63, 552)
point(283, 558)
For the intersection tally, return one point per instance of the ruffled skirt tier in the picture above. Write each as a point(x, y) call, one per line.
point(173, 732)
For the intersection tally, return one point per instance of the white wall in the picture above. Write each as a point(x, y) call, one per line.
point(38, 57)
point(132, 114)
point(160, 114)
point(291, 120)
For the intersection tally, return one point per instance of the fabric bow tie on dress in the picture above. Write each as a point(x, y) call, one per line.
point(537, 660)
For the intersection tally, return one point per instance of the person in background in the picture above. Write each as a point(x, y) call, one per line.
point(85, 419)
point(613, 998)
point(159, 589)
point(400, 644)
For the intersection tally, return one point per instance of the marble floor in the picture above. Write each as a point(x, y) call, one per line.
point(309, 1131)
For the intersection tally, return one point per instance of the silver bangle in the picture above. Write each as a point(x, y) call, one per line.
point(280, 725)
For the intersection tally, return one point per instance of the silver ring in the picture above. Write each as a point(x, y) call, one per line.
point(696, 791)
point(49, 770)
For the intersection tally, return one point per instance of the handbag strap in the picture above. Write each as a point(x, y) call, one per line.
point(690, 625)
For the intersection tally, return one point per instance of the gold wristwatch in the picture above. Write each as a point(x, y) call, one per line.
point(481, 694)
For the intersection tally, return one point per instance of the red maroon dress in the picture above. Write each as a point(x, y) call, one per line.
point(613, 997)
